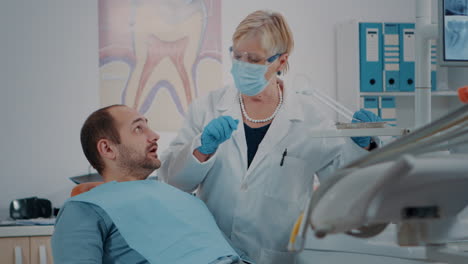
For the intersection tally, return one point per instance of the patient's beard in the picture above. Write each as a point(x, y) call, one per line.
point(135, 164)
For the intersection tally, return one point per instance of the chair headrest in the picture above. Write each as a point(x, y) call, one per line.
point(84, 187)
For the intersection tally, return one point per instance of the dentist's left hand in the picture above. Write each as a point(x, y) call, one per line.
point(216, 132)
point(364, 116)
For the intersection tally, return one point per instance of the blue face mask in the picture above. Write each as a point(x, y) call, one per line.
point(249, 78)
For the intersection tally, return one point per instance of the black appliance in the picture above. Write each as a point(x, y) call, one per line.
point(31, 207)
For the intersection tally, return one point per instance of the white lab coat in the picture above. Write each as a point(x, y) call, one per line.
point(256, 207)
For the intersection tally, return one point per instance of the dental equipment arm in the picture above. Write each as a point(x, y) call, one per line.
point(394, 184)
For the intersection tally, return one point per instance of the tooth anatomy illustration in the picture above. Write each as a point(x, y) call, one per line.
point(159, 55)
point(158, 50)
point(210, 46)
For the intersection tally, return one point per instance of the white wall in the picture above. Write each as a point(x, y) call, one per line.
point(49, 71)
point(49, 75)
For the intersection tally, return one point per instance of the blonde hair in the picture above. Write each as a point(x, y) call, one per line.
point(273, 30)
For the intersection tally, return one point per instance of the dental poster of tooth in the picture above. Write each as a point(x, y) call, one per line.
point(157, 56)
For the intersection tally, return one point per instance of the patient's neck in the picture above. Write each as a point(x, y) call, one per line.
point(124, 175)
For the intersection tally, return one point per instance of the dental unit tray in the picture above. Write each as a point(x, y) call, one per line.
point(341, 125)
point(359, 129)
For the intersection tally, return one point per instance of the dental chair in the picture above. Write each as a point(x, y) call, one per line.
point(403, 203)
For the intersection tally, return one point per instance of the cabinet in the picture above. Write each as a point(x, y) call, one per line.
point(14, 250)
point(25, 245)
point(40, 251)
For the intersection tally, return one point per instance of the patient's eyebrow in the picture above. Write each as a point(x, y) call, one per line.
point(140, 119)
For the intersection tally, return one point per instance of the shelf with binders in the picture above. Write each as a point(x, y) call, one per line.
point(387, 55)
point(378, 60)
point(434, 93)
point(398, 110)
point(383, 106)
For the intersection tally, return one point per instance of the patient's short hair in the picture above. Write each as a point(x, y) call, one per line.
point(99, 125)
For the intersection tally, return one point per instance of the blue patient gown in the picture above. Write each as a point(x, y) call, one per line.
point(138, 222)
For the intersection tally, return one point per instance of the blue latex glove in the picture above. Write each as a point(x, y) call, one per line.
point(216, 132)
point(364, 116)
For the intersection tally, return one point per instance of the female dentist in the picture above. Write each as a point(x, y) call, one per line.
point(245, 147)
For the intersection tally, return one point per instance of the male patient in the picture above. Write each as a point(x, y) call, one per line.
point(130, 219)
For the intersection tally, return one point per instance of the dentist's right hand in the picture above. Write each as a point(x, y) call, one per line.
point(216, 132)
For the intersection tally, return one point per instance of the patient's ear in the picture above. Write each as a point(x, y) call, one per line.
point(106, 149)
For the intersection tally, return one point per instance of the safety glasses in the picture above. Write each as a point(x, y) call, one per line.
point(251, 58)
